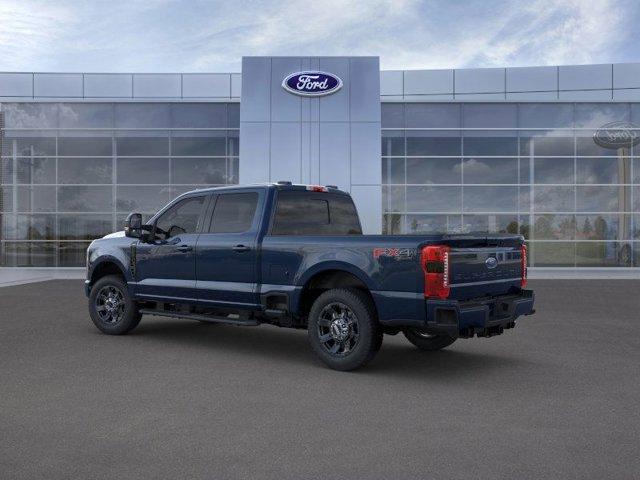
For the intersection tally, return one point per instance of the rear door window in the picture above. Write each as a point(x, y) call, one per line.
point(234, 212)
point(307, 213)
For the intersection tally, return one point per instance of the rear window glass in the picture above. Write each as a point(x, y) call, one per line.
point(234, 212)
point(307, 213)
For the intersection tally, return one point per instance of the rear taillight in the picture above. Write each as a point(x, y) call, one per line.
point(435, 263)
point(523, 265)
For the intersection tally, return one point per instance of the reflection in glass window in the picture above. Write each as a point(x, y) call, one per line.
point(143, 199)
point(585, 145)
point(31, 146)
point(203, 146)
point(393, 170)
point(392, 143)
point(212, 171)
point(33, 227)
point(392, 224)
point(552, 254)
point(603, 170)
point(393, 199)
point(490, 170)
point(30, 115)
point(545, 115)
point(392, 115)
point(545, 144)
point(553, 170)
point(85, 170)
point(85, 199)
point(428, 144)
point(84, 115)
point(553, 199)
point(36, 170)
point(142, 170)
point(38, 254)
point(72, 254)
point(84, 227)
point(90, 146)
point(142, 146)
point(603, 254)
point(490, 224)
point(490, 144)
point(434, 199)
point(432, 115)
point(490, 199)
point(199, 115)
point(433, 224)
point(142, 115)
point(603, 199)
point(490, 115)
point(603, 226)
point(233, 115)
point(434, 170)
point(554, 227)
point(598, 114)
point(36, 199)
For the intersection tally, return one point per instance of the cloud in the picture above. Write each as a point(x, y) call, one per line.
point(164, 35)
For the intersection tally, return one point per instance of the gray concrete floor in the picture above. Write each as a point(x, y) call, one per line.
point(557, 397)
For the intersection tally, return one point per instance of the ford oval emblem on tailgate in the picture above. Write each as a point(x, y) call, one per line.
point(491, 263)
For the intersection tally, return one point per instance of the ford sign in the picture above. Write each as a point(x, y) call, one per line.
point(617, 135)
point(312, 84)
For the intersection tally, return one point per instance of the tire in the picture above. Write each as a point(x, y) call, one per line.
point(112, 309)
point(427, 342)
point(343, 329)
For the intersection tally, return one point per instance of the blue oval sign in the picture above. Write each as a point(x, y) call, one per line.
point(312, 83)
point(616, 135)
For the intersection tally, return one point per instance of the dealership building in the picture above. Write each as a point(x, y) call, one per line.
point(548, 152)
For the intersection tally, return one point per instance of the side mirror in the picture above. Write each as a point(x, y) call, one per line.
point(133, 225)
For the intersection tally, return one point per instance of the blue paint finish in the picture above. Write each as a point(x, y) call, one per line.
point(215, 273)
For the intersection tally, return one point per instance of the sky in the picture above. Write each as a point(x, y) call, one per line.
point(212, 36)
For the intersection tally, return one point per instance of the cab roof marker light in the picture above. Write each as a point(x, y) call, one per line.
point(317, 188)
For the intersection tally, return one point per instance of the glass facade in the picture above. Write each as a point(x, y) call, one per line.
point(71, 172)
point(529, 168)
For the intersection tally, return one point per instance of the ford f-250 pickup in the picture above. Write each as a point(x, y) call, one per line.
point(295, 256)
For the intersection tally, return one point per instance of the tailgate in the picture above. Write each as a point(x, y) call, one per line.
point(476, 272)
point(480, 266)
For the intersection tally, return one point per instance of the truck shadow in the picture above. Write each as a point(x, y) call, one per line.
point(291, 347)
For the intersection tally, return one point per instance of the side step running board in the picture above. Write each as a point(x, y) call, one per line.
point(202, 318)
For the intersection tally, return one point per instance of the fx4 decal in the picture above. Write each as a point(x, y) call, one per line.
point(394, 252)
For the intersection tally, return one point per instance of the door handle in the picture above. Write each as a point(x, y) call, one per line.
point(241, 248)
point(184, 248)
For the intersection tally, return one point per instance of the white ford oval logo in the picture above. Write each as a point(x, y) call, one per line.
point(312, 83)
point(491, 263)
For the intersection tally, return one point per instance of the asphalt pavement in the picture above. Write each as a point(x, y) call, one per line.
point(558, 397)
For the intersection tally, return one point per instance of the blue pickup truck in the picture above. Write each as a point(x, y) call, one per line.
point(295, 256)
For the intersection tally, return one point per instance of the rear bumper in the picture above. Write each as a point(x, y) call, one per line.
point(482, 317)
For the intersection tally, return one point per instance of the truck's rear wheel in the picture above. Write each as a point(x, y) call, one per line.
point(111, 307)
point(343, 329)
point(427, 341)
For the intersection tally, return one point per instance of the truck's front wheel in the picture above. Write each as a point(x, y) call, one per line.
point(112, 309)
point(343, 329)
point(427, 341)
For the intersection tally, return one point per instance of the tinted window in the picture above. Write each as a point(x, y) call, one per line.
point(301, 213)
point(180, 218)
point(234, 212)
